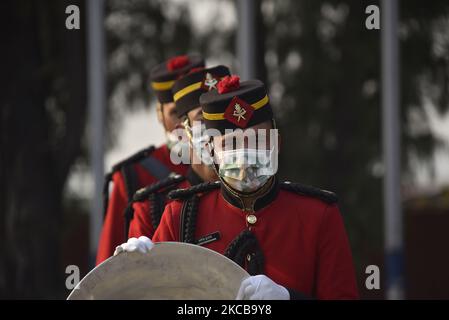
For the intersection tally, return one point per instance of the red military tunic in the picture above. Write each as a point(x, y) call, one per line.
point(112, 233)
point(302, 238)
point(141, 224)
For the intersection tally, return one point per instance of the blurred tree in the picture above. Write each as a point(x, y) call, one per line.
point(43, 119)
point(324, 71)
point(43, 113)
point(140, 34)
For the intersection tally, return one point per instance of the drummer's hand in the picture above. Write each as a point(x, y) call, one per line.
point(142, 244)
point(261, 287)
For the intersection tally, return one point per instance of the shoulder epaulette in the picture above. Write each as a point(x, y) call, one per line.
point(133, 159)
point(324, 195)
point(199, 188)
point(172, 180)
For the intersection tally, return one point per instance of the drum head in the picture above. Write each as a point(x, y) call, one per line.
point(171, 270)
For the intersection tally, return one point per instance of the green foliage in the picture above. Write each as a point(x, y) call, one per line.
point(324, 71)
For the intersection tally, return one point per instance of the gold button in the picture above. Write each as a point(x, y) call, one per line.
point(252, 219)
point(248, 257)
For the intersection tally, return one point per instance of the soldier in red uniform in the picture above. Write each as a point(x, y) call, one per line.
point(148, 204)
point(148, 165)
point(289, 237)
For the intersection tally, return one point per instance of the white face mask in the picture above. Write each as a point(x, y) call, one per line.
point(247, 170)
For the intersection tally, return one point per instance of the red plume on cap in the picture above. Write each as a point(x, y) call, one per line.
point(228, 84)
point(193, 70)
point(177, 62)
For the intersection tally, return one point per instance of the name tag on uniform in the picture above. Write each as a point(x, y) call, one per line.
point(208, 238)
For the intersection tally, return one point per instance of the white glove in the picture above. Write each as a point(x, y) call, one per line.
point(142, 244)
point(261, 287)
